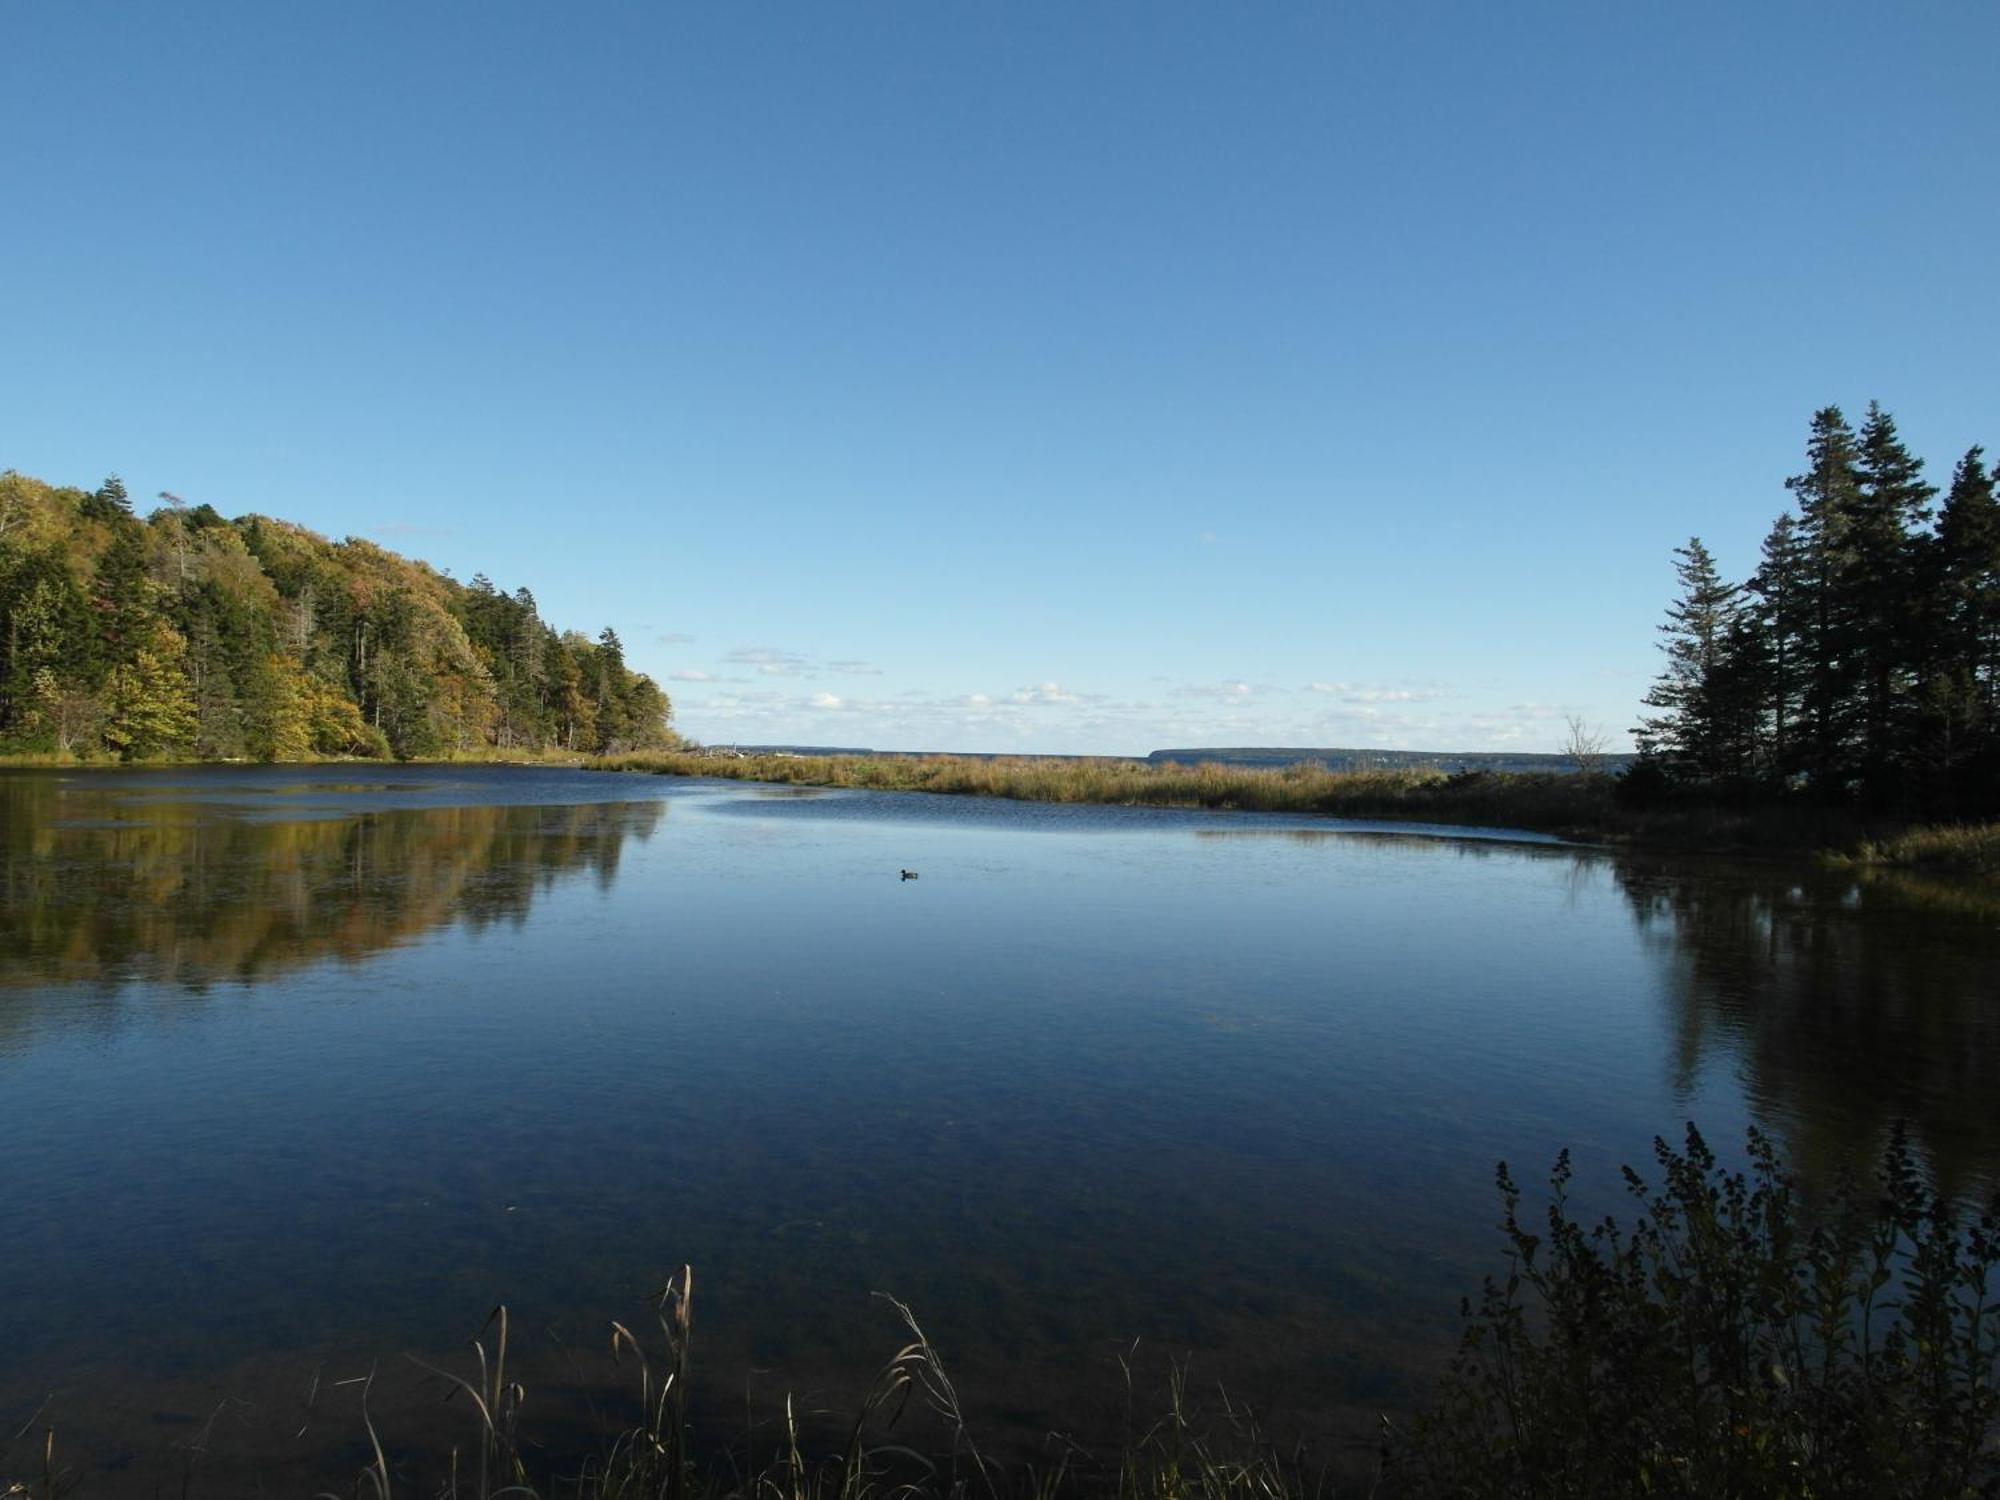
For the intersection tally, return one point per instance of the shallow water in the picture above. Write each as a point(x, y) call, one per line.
point(301, 1069)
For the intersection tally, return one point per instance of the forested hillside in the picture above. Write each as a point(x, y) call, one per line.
point(183, 634)
point(1860, 662)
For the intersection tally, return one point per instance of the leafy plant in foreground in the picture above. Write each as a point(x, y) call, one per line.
point(1728, 1343)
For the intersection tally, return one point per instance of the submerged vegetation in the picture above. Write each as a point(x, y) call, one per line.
point(1738, 1339)
point(185, 636)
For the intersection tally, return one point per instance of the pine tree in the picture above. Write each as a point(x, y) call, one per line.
point(612, 720)
point(1882, 583)
point(1968, 576)
point(1960, 737)
point(1697, 736)
point(1828, 495)
point(1780, 587)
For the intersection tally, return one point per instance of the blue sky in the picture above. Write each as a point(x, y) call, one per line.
point(1064, 377)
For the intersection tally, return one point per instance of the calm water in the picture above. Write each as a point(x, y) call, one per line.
point(300, 1070)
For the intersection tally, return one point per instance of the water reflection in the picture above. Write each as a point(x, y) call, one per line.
point(99, 888)
point(1843, 1004)
point(1228, 1083)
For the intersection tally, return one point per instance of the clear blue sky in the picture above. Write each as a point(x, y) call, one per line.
point(1066, 376)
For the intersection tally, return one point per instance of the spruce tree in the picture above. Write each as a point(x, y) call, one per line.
point(1828, 495)
point(1961, 695)
point(1882, 584)
point(1779, 585)
point(1968, 576)
point(1695, 737)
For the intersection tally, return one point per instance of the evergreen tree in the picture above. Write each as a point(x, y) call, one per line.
point(1968, 577)
point(1828, 494)
point(1697, 736)
point(1892, 504)
point(108, 502)
point(1780, 588)
point(613, 722)
point(1959, 744)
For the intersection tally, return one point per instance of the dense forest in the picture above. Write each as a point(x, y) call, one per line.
point(1860, 661)
point(184, 635)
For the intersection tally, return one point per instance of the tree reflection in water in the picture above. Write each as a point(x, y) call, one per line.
point(97, 890)
point(1845, 1002)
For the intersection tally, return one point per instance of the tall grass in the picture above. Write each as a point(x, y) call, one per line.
point(1572, 806)
point(1528, 800)
point(1959, 849)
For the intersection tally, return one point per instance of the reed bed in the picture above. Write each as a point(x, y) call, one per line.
point(1583, 807)
point(1543, 801)
point(1959, 849)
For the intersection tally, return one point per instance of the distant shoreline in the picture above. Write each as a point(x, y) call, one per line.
point(1583, 808)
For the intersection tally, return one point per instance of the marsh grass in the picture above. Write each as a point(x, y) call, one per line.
point(1590, 808)
point(1527, 800)
point(1958, 849)
point(907, 1438)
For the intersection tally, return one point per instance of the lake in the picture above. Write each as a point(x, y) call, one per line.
point(302, 1069)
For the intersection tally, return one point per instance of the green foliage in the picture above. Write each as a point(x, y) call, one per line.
point(1735, 1341)
point(153, 714)
point(186, 635)
point(1861, 661)
point(1696, 733)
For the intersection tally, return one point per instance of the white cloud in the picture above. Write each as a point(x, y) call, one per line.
point(768, 661)
point(690, 674)
point(1053, 717)
point(1045, 692)
point(1354, 692)
point(772, 662)
point(674, 638)
point(1217, 692)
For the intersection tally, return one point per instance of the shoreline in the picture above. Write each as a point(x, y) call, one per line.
point(1575, 807)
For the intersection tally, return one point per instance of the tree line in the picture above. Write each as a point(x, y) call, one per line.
point(1860, 661)
point(181, 635)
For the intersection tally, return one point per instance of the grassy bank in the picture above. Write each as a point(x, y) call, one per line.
point(1578, 807)
point(1957, 849)
point(1586, 808)
point(1497, 799)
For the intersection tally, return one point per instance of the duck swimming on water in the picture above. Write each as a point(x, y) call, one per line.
point(909, 874)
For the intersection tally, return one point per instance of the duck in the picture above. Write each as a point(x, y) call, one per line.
point(909, 874)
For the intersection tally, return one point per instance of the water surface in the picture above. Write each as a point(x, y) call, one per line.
point(301, 1069)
